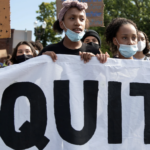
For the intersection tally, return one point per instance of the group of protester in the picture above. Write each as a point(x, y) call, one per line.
point(122, 35)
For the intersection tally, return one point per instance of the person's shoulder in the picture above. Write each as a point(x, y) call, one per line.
point(51, 47)
point(90, 48)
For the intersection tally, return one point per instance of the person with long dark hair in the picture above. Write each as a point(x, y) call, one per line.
point(22, 52)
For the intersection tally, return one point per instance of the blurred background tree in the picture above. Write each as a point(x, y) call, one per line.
point(136, 10)
point(47, 13)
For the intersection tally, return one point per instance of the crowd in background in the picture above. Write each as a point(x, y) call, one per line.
point(122, 36)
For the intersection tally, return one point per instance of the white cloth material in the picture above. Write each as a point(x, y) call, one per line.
point(42, 71)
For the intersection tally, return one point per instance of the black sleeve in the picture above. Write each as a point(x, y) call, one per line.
point(51, 47)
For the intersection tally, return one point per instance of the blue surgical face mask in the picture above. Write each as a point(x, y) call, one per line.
point(74, 37)
point(127, 50)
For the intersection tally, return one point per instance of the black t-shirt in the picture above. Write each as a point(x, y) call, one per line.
point(59, 48)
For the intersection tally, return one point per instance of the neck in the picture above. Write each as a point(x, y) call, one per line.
point(122, 57)
point(71, 45)
point(139, 55)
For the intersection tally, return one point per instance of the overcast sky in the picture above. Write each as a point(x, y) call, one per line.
point(23, 14)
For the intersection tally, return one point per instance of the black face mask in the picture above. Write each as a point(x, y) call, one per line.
point(94, 45)
point(22, 58)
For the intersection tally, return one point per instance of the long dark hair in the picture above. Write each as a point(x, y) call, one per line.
point(13, 58)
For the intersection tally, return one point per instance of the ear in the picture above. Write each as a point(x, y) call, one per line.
point(115, 42)
point(61, 25)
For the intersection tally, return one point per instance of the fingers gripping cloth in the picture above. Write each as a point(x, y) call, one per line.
point(71, 3)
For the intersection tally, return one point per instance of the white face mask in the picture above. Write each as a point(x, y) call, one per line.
point(141, 46)
point(37, 52)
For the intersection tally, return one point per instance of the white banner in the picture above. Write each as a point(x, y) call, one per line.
point(69, 105)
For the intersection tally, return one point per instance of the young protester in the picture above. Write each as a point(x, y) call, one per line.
point(91, 37)
point(22, 52)
point(143, 47)
point(121, 36)
point(72, 20)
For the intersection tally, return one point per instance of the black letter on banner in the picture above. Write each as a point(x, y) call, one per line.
point(62, 112)
point(114, 113)
point(143, 89)
point(32, 134)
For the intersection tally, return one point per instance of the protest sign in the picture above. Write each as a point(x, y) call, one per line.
point(70, 105)
point(95, 11)
point(3, 53)
point(5, 31)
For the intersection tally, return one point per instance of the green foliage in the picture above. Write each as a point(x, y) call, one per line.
point(47, 13)
point(136, 10)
